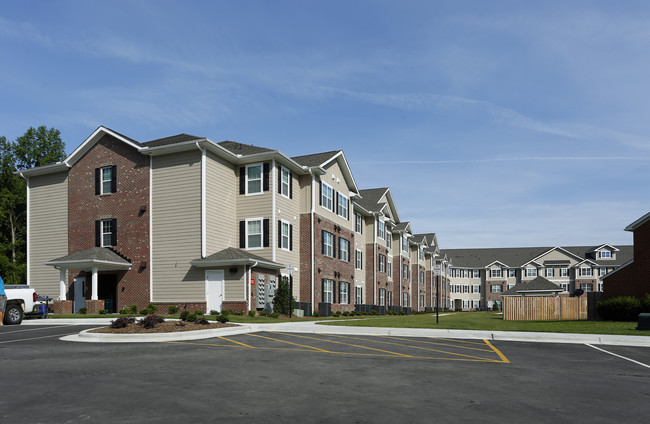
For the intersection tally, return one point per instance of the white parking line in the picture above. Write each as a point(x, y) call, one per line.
point(33, 329)
point(36, 338)
point(619, 356)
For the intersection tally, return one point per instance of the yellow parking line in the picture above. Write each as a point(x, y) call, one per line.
point(415, 347)
point(283, 341)
point(442, 344)
point(235, 341)
point(348, 344)
point(498, 352)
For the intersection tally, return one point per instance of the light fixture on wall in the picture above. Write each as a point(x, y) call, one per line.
point(233, 270)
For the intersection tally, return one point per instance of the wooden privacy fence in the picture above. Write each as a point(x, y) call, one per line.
point(544, 308)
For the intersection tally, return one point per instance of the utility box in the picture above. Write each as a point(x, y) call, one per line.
point(269, 294)
point(644, 322)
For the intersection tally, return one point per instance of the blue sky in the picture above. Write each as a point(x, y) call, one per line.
point(496, 124)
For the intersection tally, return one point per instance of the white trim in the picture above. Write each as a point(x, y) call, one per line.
point(93, 138)
point(311, 225)
point(283, 221)
point(203, 202)
point(261, 165)
point(273, 229)
point(150, 228)
point(322, 193)
point(261, 220)
point(282, 169)
point(28, 231)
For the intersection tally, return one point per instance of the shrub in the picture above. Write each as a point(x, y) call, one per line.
point(124, 311)
point(184, 315)
point(214, 312)
point(263, 313)
point(495, 307)
point(121, 322)
point(251, 313)
point(222, 318)
point(103, 311)
point(133, 309)
point(150, 321)
point(374, 312)
point(172, 310)
point(283, 301)
point(191, 317)
point(624, 308)
point(202, 321)
point(274, 315)
point(83, 311)
point(346, 314)
point(316, 313)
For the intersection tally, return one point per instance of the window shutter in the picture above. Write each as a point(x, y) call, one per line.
point(266, 232)
point(320, 193)
point(97, 180)
point(322, 290)
point(335, 203)
point(266, 167)
point(242, 234)
point(290, 237)
point(242, 180)
point(322, 242)
point(279, 179)
point(114, 232)
point(290, 185)
point(114, 180)
point(333, 291)
point(98, 233)
point(280, 234)
point(334, 249)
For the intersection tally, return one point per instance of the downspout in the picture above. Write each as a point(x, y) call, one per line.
point(248, 285)
point(203, 201)
point(311, 225)
point(150, 228)
point(374, 261)
point(274, 231)
point(27, 230)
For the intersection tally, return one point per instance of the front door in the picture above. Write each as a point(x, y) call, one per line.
point(214, 290)
point(79, 294)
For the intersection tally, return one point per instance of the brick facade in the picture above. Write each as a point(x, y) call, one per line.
point(129, 205)
point(634, 279)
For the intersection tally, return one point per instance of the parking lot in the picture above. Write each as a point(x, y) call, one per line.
point(276, 377)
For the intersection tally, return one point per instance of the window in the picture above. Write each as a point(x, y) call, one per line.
point(475, 304)
point(405, 299)
point(587, 287)
point(358, 223)
point(457, 289)
point(382, 297)
point(105, 180)
point(465, 273)
point(358, 296)
point(476, 273)
point(285, 235)
point(344, 250)
point(495, 273)
point(107, 232)
point(565, 287)
point(327, 196)
point(600, 287)
point(531, 272)
point(564, 272)
point(389, 298)
point(512, 273)
point(421, 276)
point(476, 288)
point(602, 271)
point(344, 292)
point(585, 271)
point(328, 290)
point(389, 239)
point(254, 179)
point(285, 182)
point(405, 271)
point(358, 259)
point(465, 288)
point(389, 267)
point(465, 304)
point(342, 206)
point(421, 253)
point(421, 301)
point(381, 229)
point(605, 254)
point(328, 244)
point(457, 272)
point(405, 243)
point(382, 263)
point(496, 288)
point(254, 234)
point(510, 286)
point(549, 272)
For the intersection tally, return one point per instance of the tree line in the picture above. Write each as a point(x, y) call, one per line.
point(37, 147)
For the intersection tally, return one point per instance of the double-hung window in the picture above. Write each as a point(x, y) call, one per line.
point(344, 292)
point(389, 239)
point(405, 271)
point(531, 272)
point(254, 179)
point(328, 244)
point(495, 273)
point(405, 299)
point(285, 235)
point(476, 273)
point(344, 249)
point(382, 297)
point(381, 229)
point(421, 253)
point(549, 272)
point(382, 263)
point(105, 180)
point(358, 296)
point(564, 272)
point(342, 206)
point(585, 271)
point(285, 178)
point(389, 269)
point(476, 288)
point(107, 232)
point(358, 259)
point(602, 271)
point(327, 196)
point(421, 276)
point(358, 223)
point(511, 273)
point(405, 244)
point(328, 290)
point(254, 234)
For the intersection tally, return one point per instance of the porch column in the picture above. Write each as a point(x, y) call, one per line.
point(93, 295)
point(62, 288)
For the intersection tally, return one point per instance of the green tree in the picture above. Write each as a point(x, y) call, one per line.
point(37, 147)
point(283, 302)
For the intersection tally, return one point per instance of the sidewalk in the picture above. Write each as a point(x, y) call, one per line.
point(314, 327)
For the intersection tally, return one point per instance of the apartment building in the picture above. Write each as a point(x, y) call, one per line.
point(478, 277)
point(186, 221)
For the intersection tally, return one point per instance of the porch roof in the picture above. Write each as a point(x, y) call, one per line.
point(101, 258)
point(232, 256)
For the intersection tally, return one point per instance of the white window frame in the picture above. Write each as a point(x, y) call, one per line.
point(602, 271)
point(476, 288)
point(343, 204)
point(600, 287)
point(465, 288)
point(586, 271)
point(249, 234)
point(328, 290)
point(108, 181)
point(496, 273)
point(605, 254)
point(344, 249)
point(358, 259)
point(327, 199)
point(496, 288)
point(405, 244)
point(389, 298)
point(421, 253)
point(382, 297)
point(476, 273)
point(405, 271)
point(389, 239)
point(382, 263)
point(549, 272)
point(421, 277)
point(531, 272)
point(381, 229)
point(587, 287)
point(358, 295)
point(565, 287)
point(252, 180)
point(107, 232)
point(389, 269)
point(405, 299)
point(358, 223)
point(344, 292)
point(328, 248)
point(512, 273)
point(285, 239)
point(564, 272)
point(285, 187)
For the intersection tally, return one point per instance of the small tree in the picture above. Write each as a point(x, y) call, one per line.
point(283, 302)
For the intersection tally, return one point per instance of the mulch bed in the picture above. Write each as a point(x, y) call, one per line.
point(164, 327)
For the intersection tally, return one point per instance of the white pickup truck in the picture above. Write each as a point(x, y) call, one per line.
point(20, 299)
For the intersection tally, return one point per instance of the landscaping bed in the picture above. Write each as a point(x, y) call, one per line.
point(163, 327)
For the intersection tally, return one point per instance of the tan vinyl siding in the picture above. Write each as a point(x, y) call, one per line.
point(176, 228)
point(221, 198)
point(234, 285)
point(48, 230)
point(257, 206)
point(288, 210)
point(305, 193)
point(556, 255)
point(334, 178)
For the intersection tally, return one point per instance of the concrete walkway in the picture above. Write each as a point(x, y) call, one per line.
point(315, 327)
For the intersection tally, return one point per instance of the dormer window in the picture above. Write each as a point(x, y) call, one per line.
point(605, 254)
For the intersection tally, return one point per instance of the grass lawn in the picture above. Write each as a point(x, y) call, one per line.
point(492, 322)
point(240, 319)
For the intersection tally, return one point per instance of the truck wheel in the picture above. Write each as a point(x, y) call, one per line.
point(13, 314)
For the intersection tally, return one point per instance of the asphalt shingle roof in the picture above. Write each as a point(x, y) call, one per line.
point(370, 199)
point(103, 254)
point(539, 283)
point(232, 254)
point(174, 139)
point(315, 159)
point(243, 149)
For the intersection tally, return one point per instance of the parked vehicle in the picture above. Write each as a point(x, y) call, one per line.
point(20, 299)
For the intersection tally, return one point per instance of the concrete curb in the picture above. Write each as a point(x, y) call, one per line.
point(88, 337)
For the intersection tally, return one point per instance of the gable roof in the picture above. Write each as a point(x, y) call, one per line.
point(174, 139)
point(243, 149)
point(233, 256)
point(370, 199)
point(403, 226)
point(538, 285)
point(639, 222)
point(102, 258)
point(316, 159)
